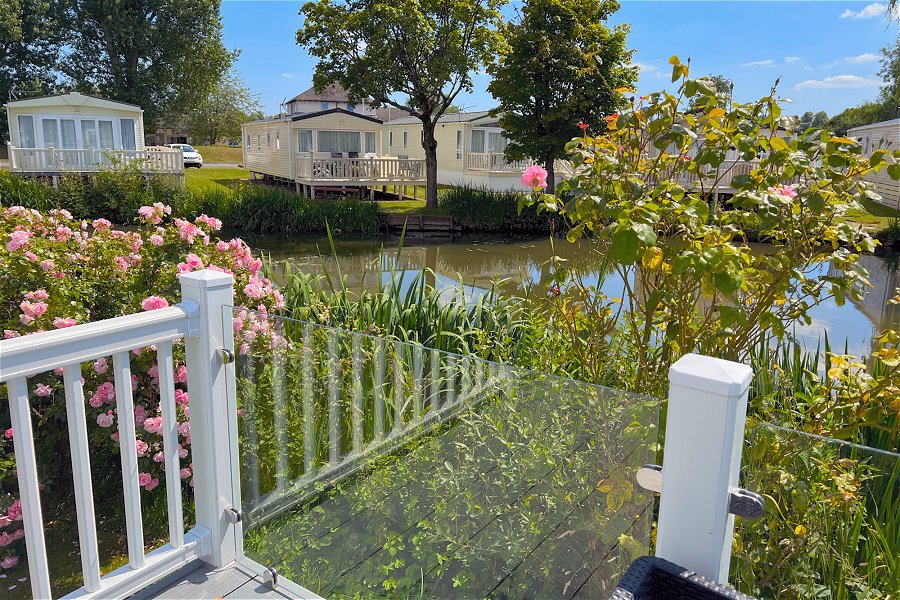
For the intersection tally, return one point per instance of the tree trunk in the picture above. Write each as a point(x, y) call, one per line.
point(429, 144)
point(551, 176)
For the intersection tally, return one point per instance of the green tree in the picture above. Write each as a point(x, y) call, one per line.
point(723, 85)
point(30, 37)
point(811, 119)
point(164, 55)
point(220, 113)
point(890, 73)
point(561, 65)
point(422, 50)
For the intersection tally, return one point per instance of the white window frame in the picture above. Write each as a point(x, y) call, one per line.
point(312, 140)
point(359, 134)
point(79, 140)
point(323, 106)
point(406, 139)
point(365, 140)
point(459, 144)
point(390, 139)
point(277, 140)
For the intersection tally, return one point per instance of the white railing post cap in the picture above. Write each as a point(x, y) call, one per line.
point(713, 375)
point(206, 278)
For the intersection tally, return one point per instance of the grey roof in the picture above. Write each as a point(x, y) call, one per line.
point(875, 125)
point(30, 98)
point(333, 93)
point(310, 115)
point(460, 117)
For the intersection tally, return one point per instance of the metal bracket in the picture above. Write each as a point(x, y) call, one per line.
point(741, 502)
point(271, 577)
point(233, 515)
point(227, 356)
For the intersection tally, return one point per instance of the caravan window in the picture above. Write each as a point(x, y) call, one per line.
point(477, 144)
point(405, 139)
point(370, 142)
point(128, 136)
point(278, 140)
point(338, 141)
point(26, 132)
point(50, 128)
point(459, 144)
point(496, 142)
point(304, 140)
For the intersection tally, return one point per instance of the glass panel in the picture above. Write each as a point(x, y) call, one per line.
point(89, 134)
point(830, 526)
point(106, 134)
point(370, 142)
point(26, 132)
point(304, 140)
point(50, 129)
point(496, 142)
point(459, 143)
point(477, 140)
point(67, 127)
point(405, 139)
point(128, 134)
point(371, 466)
point(338, 141)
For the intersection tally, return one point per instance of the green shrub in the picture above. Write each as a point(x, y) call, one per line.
point(29, 193)
point(263, 209)
point(481, 209)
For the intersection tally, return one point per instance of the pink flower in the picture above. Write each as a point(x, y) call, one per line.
point(222, 246)
point(187, 231)
point(212, 222)
point(181, 374)
point(43, 390)
point(101, 366)
point(159, 457)
point(38, 294)
point(33, 309)
point(31, 256)
point(181, 397)
point(121, 263)
point(144, 479)
point(154, 214)
point(9, 562)
point(17, 239)
point(193, 262)
point(185, 473)
point(105, 419)
point(8, 434)
point(151, 484)
point(535, 177)
point(15, 511)
point(48, 265)
point(5, 521)
point(154, 302)
point(141, 447)
point(784, 190)
point(101, 224)
point(153, 425)
point(61, 323)
point(156, 240)
point(182, 452)
point(10, 334)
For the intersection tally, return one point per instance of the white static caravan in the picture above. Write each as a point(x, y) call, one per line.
point(885, 134)
point(78, 133)
point(330, 151)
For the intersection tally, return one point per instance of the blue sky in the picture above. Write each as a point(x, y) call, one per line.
point(826, 53)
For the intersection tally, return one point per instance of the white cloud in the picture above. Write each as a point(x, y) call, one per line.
point(287, 75)
point(645, 67)
point(760, 63)
point(838, 82)
point(792, 59)
point(863, 58)
point(871, 11)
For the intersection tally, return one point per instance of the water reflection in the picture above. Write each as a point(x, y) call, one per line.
point(522, 266)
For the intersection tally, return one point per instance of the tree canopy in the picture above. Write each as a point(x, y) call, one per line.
point(220, 113)
point(164, 55)
point(883, 108)
point(560, 65)
point(417, 55)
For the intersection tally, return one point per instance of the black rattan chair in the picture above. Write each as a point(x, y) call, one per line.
point(652, 578)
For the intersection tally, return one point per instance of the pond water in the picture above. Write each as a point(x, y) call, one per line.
point(521, 267)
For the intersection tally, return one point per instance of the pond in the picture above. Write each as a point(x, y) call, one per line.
point(521, 267)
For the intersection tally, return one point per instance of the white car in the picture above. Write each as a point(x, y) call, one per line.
point(192, 158)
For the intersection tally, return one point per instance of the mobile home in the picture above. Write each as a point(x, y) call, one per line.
point(885, 134)
point(78, 133)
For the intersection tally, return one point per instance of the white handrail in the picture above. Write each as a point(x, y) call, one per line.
point(199, 320)
point(84, 160)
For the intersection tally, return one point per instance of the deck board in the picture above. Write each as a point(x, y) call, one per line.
point(205, 582)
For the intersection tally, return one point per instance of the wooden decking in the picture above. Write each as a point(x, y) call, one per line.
point(200, 581)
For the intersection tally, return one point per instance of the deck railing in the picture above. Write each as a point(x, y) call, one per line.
point(494, 162)
point(48, 161)
point(214, 538)
point(312, 168)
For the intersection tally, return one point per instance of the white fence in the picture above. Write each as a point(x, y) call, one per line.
point(154, 159)
point(215, 538)
point(704, 436)
point(311, 168)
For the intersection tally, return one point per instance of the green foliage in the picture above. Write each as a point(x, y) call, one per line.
point(481, 209)
point(262, 209)
point(559, 65)
point(220, 113)
point(644, 190)
point(883, 108)
point(864, 114)
point(163, 56)
point(424, 51)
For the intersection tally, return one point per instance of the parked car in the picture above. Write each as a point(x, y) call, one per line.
point(192, 158)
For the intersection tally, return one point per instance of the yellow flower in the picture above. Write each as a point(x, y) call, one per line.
point(800, 530)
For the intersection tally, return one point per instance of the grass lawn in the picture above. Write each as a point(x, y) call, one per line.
point(220, 154)
point(209, 179)
point(875, 217)
point(407, 207)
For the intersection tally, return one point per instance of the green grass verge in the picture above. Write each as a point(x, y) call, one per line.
point(213, 179)
point(407, 207)
point(875, 216)
point(220, 154)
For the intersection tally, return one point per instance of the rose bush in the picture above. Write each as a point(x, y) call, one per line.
point(57, 272)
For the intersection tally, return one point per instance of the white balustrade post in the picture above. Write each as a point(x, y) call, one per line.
point(702, 458)
point(213, 412)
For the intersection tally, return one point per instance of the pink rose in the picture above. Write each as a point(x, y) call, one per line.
point(153, 425)
point(144, 479)
point(154, 302)
point(15, 511)
point(156, 240)
point(10, 334)
point(534, 177)
point(43, 390)
point(9, 562)
point(48, 265)
point(159, 457)
point(185, 473)
point(101, 224)
point(105, 419)
point(8, 434)
point(101, 366)
point(61, 323)
point(151, 484)
point(141, 447)
point(17, 239)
